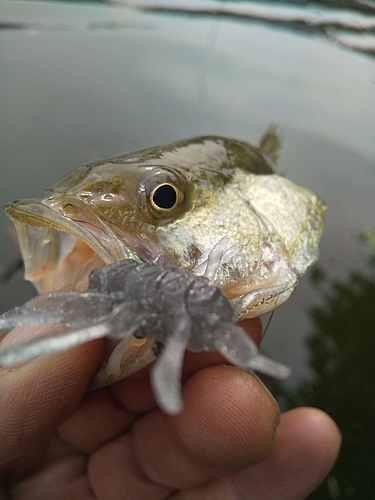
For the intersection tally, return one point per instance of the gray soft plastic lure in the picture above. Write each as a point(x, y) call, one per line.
point(176, 308)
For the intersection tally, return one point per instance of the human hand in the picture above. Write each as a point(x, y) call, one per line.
point(58, 442)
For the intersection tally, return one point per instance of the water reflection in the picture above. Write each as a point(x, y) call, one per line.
point(350, 23)
point(341, 358)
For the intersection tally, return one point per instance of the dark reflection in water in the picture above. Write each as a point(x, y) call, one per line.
point(350, 23)
point(365, 6)
point(341, 357)
point(347, 22)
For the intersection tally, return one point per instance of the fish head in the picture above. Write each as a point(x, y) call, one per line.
point(123, 207)
point(171, 205)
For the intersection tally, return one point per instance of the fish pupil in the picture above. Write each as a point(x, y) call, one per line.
point(165, 196)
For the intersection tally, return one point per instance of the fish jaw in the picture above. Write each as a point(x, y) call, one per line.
point(54, 247)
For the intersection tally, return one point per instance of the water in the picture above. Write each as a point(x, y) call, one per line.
point(83, 81)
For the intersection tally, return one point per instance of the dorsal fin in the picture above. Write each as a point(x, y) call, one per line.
point(270, 143)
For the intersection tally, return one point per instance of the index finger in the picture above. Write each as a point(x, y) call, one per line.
point(228, 423)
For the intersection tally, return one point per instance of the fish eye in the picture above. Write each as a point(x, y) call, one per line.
point(164, 196)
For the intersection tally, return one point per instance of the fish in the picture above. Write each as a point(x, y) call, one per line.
point(210, 206)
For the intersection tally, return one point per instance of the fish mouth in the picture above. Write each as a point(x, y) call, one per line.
point(59, 251)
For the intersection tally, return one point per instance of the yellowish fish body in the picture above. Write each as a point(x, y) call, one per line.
point(172, 205)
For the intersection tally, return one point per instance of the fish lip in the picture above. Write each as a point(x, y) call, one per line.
point(58, 250)
point(34, 212)
point(51, 241)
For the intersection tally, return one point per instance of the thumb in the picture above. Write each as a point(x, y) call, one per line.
point(37, 396)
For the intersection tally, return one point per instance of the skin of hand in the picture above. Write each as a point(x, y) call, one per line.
point(60, 442)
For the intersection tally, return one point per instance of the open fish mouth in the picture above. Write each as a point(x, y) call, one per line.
point(59, 253)
point(60, 249)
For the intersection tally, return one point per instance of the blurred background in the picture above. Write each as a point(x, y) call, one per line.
point(80, 81)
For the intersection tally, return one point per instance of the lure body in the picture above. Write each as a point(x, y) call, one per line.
point(175, 308)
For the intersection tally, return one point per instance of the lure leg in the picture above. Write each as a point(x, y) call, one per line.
point(240, 350)
point(52, 343)
point(269, 367)
point(166, 373)
point(126, 319)
point(70, 308)
point(85, 308)
point(39, 309)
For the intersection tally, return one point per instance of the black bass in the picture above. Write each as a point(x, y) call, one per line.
point(172, 206)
